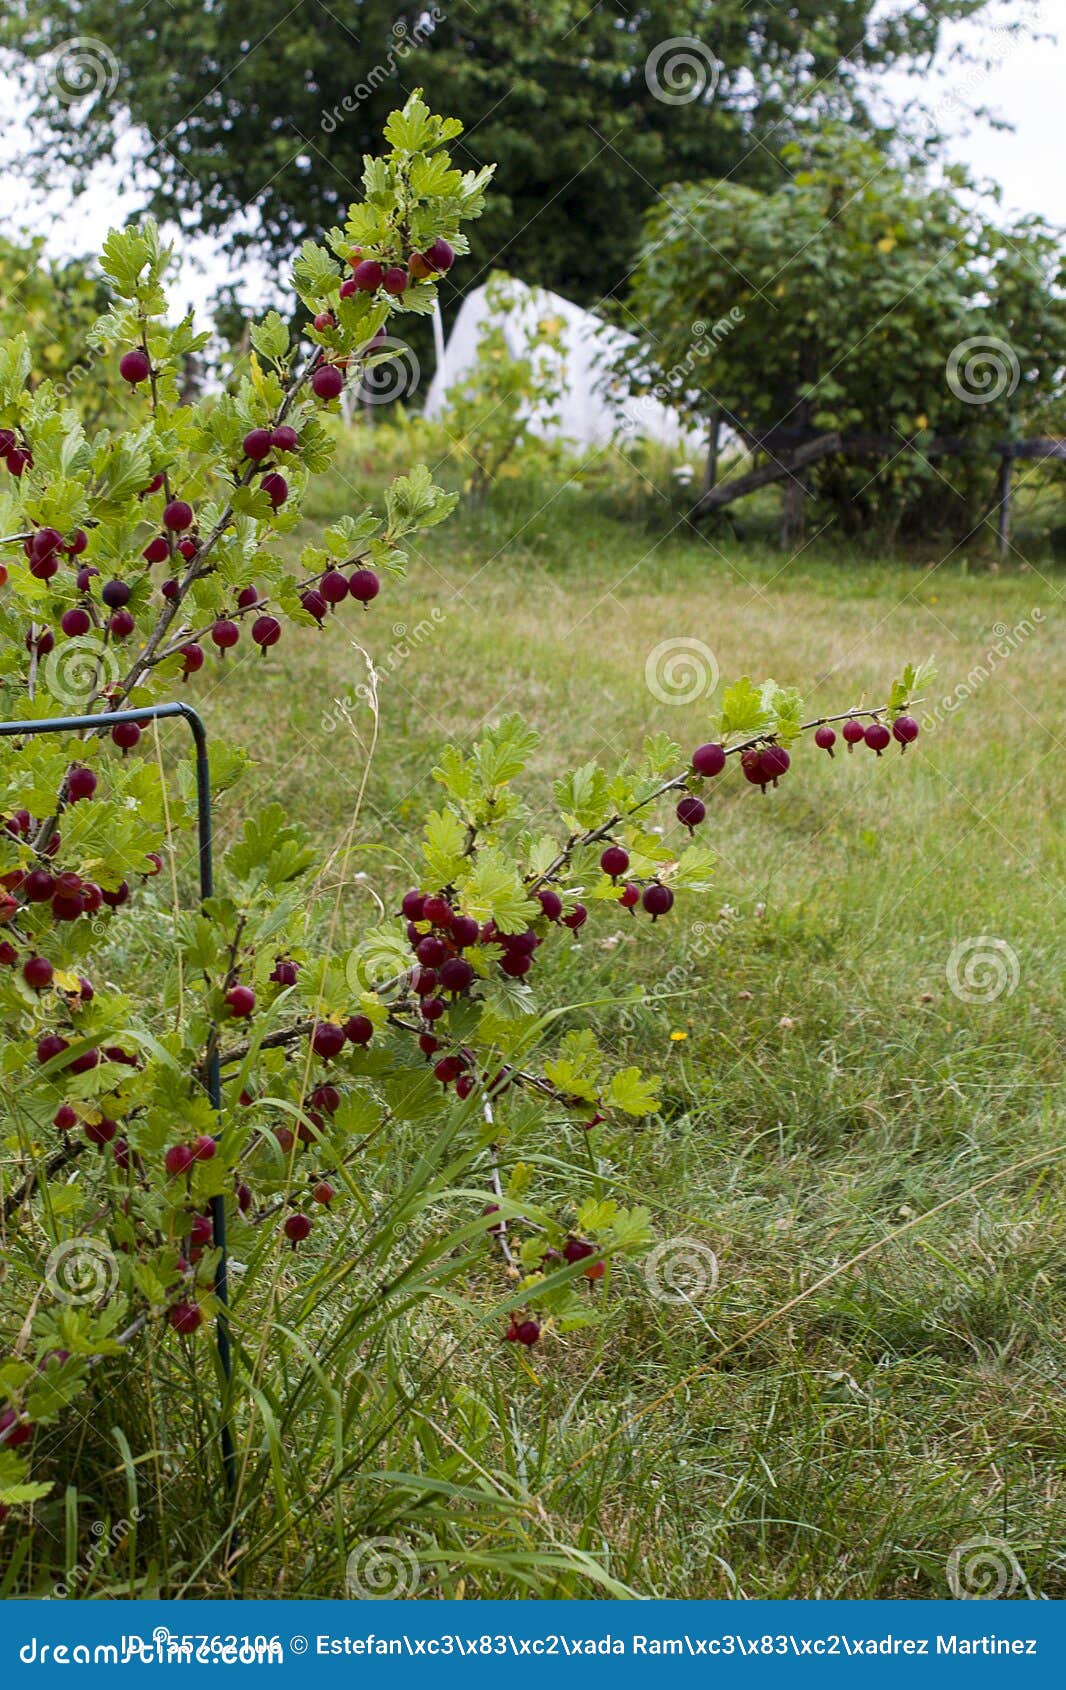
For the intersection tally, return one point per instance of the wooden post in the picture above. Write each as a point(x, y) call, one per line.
point(710, 471)
point(1003, 496)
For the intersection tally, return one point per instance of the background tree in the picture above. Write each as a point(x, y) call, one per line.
point(55, 305)
point(858, 297)
point(265, 108)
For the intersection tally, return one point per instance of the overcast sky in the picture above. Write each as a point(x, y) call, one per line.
point(1024, 86)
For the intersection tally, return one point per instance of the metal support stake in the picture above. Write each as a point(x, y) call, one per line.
point(160, 712)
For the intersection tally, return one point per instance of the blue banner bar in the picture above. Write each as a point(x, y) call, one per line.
point(513, 1645)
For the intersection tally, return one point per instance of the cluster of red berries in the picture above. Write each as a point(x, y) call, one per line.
point(574, 1250)
point(16, 457)
point(875, 734)
point(371, 275)
point(655, 899)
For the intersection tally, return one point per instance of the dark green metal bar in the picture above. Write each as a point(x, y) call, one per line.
point(149, 713)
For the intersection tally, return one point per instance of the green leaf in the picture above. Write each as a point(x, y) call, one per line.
point(442, 846)
point(271, 337)
point(631, 1092)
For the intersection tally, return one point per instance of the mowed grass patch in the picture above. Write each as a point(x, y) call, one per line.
point(826, 1084)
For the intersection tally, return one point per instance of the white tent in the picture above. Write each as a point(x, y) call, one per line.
point(586, 415)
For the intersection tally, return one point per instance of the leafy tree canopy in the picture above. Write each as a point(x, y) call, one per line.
point(267, 109)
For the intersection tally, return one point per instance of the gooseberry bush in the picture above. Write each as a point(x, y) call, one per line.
point(386, 1094)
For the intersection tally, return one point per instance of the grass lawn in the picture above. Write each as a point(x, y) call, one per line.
point(876, 1378)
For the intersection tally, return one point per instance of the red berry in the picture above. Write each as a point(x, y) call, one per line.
point(853, 732)
point(115, 594)
point(775, 762)
point(825, 738)
point(285, 438)
point(266, 631)
point(456, 975)
point(440, 256)
point(368, 275)
point(751, 763)
point(203, 1148)
point(333, 586)
point(121, 624)
point(708, 759)
point(364, 585)
point(395, 279)
point(154, 485)
point(13, 1430)
point(348, 287)
point(65, 1118)
point(323, 1192)
point(114, 900)
point(156, 861)
point(225, 634)
point(178, 1160)
point(905, 729)
point(465, 931)
point(241, 1000)
point(464, 1085)
point(81, 783)
point(433, 1008)
point(38, 886)
point(657, 900)
point(37, 972)
point(84, 578)
point(297, 1228)
point(413, 905)
point(201, 1232)
point(448, 1069)
point(576, 917)
point(275, 487)
point(325, 320)
point(188, 548)
point(284, 973)
point(327, 381)
point(177, 516)
point(192, 658)
point(877, 737)
point(77, 543)
point(431, 951)
point(185, 1318)
point(614, 861)
point(691, 811)
point(359, 1029)
point(135, 366)
point(314, 604)
point(157, 550)
point(515, 964)
point(257, 443)
point(437, 910)
point(427, 1044)
point(126, 734)
point(53, 1044)
point(551, 903)
point(170, 589)
point(327, 1040)
point(526, 1332)
point(630, 896)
